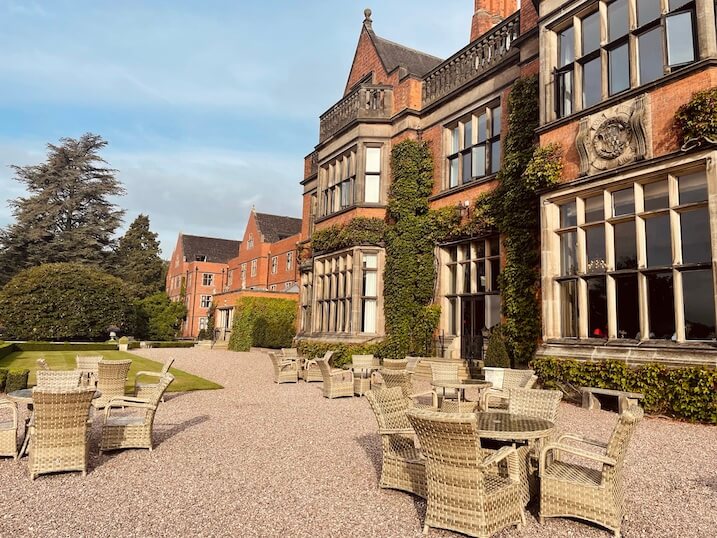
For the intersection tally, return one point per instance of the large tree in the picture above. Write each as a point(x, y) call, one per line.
point(137, 260)
point(68, 215)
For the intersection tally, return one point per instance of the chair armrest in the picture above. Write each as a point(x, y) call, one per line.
point(581, 439)
point(417, 394)
point(396, 431)
point(149, 374)
point(283, 365)
point(342, 373)
point(13, 408)
point(505, 453)
point(573, 450)
point(127, 401)
point(493, 393)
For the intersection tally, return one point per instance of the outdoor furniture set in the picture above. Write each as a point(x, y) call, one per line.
point(477, 490)
point(58, 429)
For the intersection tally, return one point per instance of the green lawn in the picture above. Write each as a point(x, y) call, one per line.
point(65, 360)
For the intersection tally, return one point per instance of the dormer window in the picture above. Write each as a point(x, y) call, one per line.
point(200, 258)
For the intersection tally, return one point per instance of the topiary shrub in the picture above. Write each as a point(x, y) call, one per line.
point(263, 322)
point(16, 380)
point(496, 354)
point(64, 301)
point(697, 119)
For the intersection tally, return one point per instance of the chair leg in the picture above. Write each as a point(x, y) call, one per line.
point(425, 529)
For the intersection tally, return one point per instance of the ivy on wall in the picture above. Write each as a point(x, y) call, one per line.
point(697, 119)
point(263, 322)
point(360, 231)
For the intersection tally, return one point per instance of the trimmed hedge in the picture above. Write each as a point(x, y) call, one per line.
point(16, 380)
point(3, 377)
point(342, 352)
point(170, 344)
point(63, 346)
point(6, 349)
point(688, 393)
point(263, 322)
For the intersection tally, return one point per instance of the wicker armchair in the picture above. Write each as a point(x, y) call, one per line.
point(134, 431)
point(57, 380)
point(111, 379)
point(146, 390)
point(311, 368)
point(289, 352)
point(447, 372)
point(42, 364)
point(395, 364)
point(497, 398)
point(8, 429)
point(363, 368)
point(89, 366)
point(337, 382)
point(466, 491)
point(285, 370)
point(59, 431)
point(403, 468)
point(402, 379)
point(568, 489)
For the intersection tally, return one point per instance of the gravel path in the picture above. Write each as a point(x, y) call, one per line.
point(258, 459)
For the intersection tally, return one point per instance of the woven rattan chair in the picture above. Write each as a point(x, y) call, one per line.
point(593, 493)
point(42, 364)
point(143, 389)
point(403, 468)
point(89, 366)
point(8, 429)
point(466, 493)
point(289, 352)
point(57, 380)
point(497, 398)
point(59, 431)
point(285, 370)
point(395, 364)
point(135, 430)
point(311, 368)
point(111, 379)
point(337, 382)
point(448, 372)
point(363, 368)
point(402, 379)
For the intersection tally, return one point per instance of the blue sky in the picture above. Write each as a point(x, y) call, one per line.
point(208, 106)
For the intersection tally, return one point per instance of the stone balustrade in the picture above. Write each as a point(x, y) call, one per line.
point(365, 102)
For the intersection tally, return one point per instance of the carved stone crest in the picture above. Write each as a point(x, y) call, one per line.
point(612, 137)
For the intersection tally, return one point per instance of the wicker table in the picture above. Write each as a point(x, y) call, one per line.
point(362, 376)
point(460, 388)
point(509, 427)
point(24, 396)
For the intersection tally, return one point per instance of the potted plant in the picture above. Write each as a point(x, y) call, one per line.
point(124, 343)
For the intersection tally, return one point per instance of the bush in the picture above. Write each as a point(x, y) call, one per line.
point(203, 334)
point(64, 301)
point(16, 380)
point(497, 353)
point(159, 318)
point(342, 352)
point(688, 393)
point(3, 377)
point(263, 322)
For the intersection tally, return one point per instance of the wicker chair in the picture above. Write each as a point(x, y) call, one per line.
point(8, 429)
point(89, 366)
point(111, 379)
point(146, 390)
point(133, 431)
point(289, 352)
point(42, 364)
point(497, 398)
point(311, 368)
point(402, 379)
point(447, 372)
point(57, 380)
point(362, 368)
point(466, 493)
point(403, 468)
point(395, 364)
point(568, 489)
point(285, 370)
point(59, 431)
point(337, 382)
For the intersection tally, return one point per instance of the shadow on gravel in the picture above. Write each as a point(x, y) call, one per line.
point(163, 433)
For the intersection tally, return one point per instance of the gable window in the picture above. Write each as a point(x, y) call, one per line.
point(633, 42)
point(250, 242)
point(243, 275)
point(474, 146)
point(253, 268)
point(205, 301)
point(274, 264)
point(289, 260)
point(372, 177)
point(207, 279)
point(337, 180)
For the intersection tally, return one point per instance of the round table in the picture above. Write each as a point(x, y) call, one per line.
point(510, 427)
point(460, 388)
point(363, 374)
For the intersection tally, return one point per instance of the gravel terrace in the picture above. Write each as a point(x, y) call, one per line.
point(259, 459)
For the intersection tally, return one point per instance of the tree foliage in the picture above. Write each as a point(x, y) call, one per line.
point(64, 301)
point(137, 261)
point(697, 119)
point(159, 317)
point(67, 215)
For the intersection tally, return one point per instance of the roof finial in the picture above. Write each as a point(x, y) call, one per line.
point(367, 18)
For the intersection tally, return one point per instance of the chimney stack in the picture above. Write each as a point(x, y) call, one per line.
point(488, 13)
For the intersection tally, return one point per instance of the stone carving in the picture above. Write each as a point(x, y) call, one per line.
point(613, 137)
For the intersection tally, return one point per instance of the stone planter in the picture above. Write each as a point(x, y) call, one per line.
point(494, 374)
point(123, 347)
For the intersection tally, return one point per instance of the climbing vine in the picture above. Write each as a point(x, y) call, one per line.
point(360, 231)
point(697, 119)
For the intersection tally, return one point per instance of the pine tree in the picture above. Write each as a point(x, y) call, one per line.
point(137, 261)
point(67, 215)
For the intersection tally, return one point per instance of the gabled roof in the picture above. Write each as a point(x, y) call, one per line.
point(276, 227)
point(394, 55)
point(209, 249)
